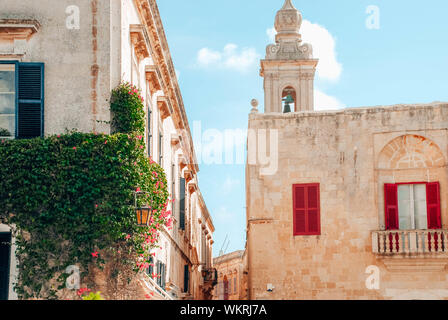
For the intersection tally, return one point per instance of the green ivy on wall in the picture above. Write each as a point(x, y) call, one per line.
point(71, 197)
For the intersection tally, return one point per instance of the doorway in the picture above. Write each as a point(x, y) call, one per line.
point(5, 254)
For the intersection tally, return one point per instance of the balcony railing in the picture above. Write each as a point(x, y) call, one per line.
point(410, 241)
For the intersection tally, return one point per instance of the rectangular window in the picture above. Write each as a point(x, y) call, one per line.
point(186, 279)
point(21, 99)
point(306, 207)
point(7, 100)
point(150, 269)
point(234, 286)
point(160, 149)
point(182, 203)
point(412, 206)
point(149, 131)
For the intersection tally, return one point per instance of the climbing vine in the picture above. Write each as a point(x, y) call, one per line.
point(70, 200)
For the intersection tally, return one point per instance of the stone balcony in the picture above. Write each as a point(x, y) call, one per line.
point(412, 250)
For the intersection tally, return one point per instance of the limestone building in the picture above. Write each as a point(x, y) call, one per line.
point(232, 284)
point(355, 205)
point(70, 54)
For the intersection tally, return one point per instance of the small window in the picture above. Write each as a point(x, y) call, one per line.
point(21, 99)
point(412, 206)
point(306, 207)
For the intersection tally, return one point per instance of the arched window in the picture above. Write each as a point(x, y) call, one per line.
point(289, 100)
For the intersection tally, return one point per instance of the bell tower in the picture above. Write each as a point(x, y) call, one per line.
point(289, 68)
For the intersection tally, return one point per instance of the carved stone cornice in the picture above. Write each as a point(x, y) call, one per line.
point(149, 14)
point(20, 29)
point(164, 106)
point(139, 40)
point(153, 77)
point(192, 187)
point(188, 175)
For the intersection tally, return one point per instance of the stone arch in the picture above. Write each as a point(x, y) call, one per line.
point(289, 90)
point(411, 152)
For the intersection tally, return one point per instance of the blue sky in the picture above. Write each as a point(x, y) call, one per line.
point(216, 47)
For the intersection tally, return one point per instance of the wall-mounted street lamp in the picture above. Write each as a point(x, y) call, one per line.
point(144, 214)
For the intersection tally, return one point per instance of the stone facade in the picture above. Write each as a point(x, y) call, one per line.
point(88, 48)
point(231, 277)
point(350, 155)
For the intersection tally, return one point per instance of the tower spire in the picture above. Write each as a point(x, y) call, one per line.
point(289, 67)
point(288, 5)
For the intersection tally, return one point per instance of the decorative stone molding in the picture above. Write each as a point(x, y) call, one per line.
point(164, 107)
point(411, 151)
point(288, 39)
point(153, 77)
point(17, 32)
point(182, 162)
point(21, 29)
point(192, 187)
point(188, 175)
point(149, 14)
point(140, 41)
point(401, 264)
point(176, 141)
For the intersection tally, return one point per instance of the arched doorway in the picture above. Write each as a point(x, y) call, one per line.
point(226, 288)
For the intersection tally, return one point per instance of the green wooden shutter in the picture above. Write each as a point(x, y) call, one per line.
point(5, 247)
point(30, 117)
point(186, 278)
point(182, 203)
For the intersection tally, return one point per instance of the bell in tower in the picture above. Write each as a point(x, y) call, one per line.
point(289, 68)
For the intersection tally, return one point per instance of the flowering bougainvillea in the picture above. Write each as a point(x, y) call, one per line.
point(70, 198)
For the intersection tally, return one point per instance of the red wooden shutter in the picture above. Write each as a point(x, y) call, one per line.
point(391, 206)
point(306, 205)
point(299, 209)
point(433, 204)
point(313, 209)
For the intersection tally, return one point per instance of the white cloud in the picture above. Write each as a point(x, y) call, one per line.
point(229, 58)
point(324, 49)
point(322, 102)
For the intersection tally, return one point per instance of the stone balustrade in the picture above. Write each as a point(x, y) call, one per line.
point(409, 242)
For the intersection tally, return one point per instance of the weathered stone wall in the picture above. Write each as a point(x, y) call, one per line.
point(229, 267)
point(78, 62)
point(344, 152)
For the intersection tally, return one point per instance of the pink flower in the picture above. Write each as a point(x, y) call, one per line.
point(138, 189)
point(141, 147)
point(154, 275)
point(81, 291)
point(128, 236)
point(95, 254)
point(96, 206)
point(105, 142)
point(59, 135)
point(74, 148)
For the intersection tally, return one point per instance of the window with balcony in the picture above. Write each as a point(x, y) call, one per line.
point(412, 206)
